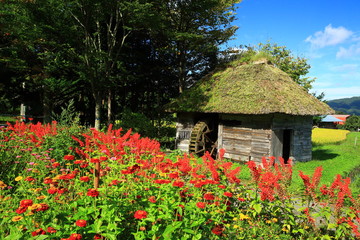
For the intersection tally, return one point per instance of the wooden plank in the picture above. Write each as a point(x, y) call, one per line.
point(236, 136)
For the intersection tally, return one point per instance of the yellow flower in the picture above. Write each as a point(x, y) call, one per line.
point(162, 174)
point(274, 220)
point(235, 226)
point(19, 178)
point(57, 177)
point(286, 228)
point(35, 170)
point(2, 184)
point(17, 218)
point(68, 164)
point(35, 206)
point(235, 219)
point(41, 197)
point(243, 217)
point(37, 190)
point(268, 221)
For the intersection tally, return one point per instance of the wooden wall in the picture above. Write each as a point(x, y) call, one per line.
point(251, 137)
point(245, 137)
point(301, 126)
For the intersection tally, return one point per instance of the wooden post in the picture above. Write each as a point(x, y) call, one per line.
point(97, 175)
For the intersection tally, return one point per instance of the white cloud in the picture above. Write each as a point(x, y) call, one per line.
point(352, 51)
point(336, 93)
point(329, 37)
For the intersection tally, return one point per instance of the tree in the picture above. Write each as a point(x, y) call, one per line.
point(352, 123)
point(194, 32)
point(104, 27)
point(35, 55)
point(296, 67)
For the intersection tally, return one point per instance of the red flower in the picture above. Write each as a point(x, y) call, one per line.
point(61, 190)
point(43, 208)
point(39, 231)
point(70, 176)
point(84, 165)
point(55, 164)
point(29, 179)
point(51, 230)
point(85, 178)
point(178, 184)
point(228, 194)
point(48, 180)
point(222, 186)
point(218, 229)
point(221, 153)
point(69, 157)
point(81, 223)
point(52, 190)
point(152, 199)
point(200, 204)
point(98, 236)
point(94, 160)
point(162, 181)
point(75, 236)
point(209, 196)
point(140, 214)
point(173, 175)
point(26, 203)
point(21, 210)
point(92, 192)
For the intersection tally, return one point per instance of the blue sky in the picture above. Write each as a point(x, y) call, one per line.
point(326, 32)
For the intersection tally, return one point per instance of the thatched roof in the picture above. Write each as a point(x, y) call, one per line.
point(249, 89)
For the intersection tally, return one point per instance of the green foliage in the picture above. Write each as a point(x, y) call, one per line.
point(352, 123)
point(68, 116)
point(138, 122)
point(163, 130)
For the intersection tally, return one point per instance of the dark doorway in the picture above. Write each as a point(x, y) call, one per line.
point(286, 144)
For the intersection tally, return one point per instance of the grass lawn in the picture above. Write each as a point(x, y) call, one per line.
point(335, 159)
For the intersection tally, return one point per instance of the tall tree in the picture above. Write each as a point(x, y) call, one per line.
point(194, 31)
point(104, 27)
point(35, 53)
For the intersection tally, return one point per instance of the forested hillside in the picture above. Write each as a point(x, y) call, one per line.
point(346, 105)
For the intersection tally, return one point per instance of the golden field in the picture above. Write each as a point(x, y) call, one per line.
point(324, 135)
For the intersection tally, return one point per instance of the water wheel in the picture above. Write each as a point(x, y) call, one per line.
point(201, 140)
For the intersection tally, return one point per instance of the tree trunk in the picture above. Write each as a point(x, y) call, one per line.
point(47, 106)
point(109, 110)
point(97, 111)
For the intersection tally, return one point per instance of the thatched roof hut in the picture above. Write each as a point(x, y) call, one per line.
point(249, 89)
point(250, 110)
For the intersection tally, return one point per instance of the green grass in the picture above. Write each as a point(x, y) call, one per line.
point(335, 159)
point(340, 158)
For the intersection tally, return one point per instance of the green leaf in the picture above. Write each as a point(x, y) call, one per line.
point(257, 207)
point(170, 229)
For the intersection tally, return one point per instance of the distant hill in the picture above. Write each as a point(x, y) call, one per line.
point(346, 105)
